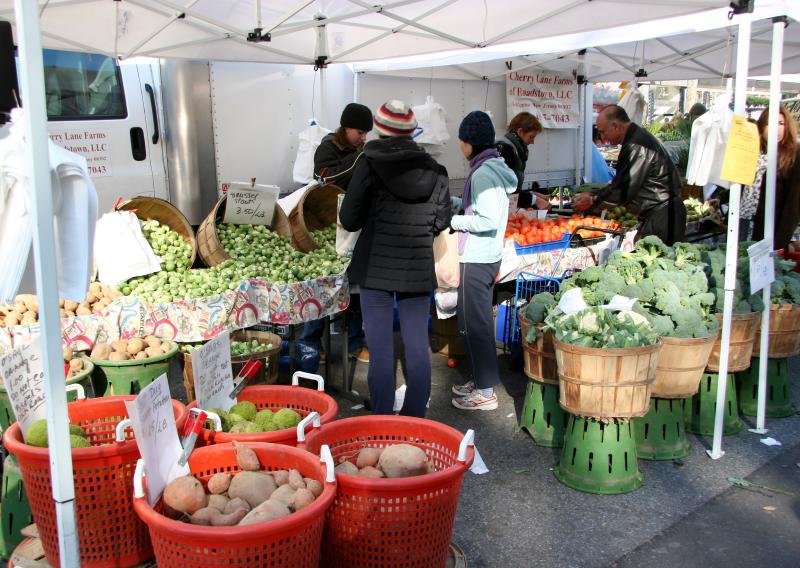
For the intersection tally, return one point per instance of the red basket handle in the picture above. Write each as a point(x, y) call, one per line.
point(326, 457)
point(466, 442)
point(303, 375)
point(301, 427)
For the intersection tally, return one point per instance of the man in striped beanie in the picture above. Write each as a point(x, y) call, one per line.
point(395, 118)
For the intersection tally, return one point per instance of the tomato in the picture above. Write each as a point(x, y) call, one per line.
point(452, 363)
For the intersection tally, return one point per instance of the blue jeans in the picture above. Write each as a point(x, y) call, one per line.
point(312, 331)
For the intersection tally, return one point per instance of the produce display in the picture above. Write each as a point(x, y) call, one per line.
point(238, 348)
point(240, 498)
point(25, 310)
point(527, 231)
point(714, 259)
point(786, 287)
point(125, 350)
point(696, 209)
point(599, 327)
point(396, 461)
point(168, 245)
point(622, 217)
point(37, 435)
point(245, 418)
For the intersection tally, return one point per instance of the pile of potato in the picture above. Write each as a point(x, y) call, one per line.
point(399, 460)
point(248, 497)
point(75, 362)
point(127, 349)
point(25, 310)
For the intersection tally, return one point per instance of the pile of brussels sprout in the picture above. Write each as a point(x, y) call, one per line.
point(168, 245)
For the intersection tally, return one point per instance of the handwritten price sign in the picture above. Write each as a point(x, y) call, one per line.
point(762, 265)
point(213, 377)
point(249, 204)
point(23, 378)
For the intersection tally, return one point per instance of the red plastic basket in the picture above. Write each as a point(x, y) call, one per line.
point(110, 534)
point(293, 541)
point(393, 522)
point(300, 399)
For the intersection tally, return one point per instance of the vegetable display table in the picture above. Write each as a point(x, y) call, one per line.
point(542, 416)
point(779, 396)
point(661, 433)
point(700, 410)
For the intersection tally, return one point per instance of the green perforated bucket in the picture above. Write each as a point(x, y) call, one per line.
point(661, 433)
point(121, 378)
point(779, 394)
point(542, 416)
point(700, 410)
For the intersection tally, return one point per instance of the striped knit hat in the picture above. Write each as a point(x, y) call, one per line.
point(395, 118)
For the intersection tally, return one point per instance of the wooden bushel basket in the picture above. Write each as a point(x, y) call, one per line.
point(317, 210)
point(743, 334)
point(539, 356)
point(209, 246)
point(784, 332)
point(681, 365)
point(606, 383)
point(146, 208)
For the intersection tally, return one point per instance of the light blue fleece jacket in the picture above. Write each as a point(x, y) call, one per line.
point(491, 185)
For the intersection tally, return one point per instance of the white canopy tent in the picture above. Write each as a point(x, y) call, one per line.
point(354, 30)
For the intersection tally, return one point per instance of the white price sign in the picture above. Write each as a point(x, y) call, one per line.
point(213, 377)
point(250, 204)
point(23, 379)
point(762, 265)
point(157, 436)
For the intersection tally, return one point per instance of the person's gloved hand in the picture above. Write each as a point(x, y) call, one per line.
point(582, 201)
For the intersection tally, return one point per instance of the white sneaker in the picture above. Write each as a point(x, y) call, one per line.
point(465, 389)
point(476, 401)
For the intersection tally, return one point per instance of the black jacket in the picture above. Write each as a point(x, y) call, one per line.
point(399, 198)
point(330, 159)
point(515, 154)
point(787, 206)
point(646, 178)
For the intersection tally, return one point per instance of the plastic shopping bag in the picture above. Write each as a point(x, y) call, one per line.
point(432, 120)
point(345, 240)
point(309, 140)
point(446, 259)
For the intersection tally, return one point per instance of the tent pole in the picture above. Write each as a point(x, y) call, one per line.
point(44, 248)
point(769, 210)
point(732, 251)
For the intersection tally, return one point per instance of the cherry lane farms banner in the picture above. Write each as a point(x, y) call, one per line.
point(550, 96)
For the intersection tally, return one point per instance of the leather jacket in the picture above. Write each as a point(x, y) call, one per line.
point(646, 178)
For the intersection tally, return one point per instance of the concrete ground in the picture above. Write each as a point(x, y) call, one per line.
point(686, 514)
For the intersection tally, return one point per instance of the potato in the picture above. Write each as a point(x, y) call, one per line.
point(115, 294)
point(95, 288)
point(105, 290)
point(370, 472)
point(219, 483)
point(234, 504)
point(140, 355)
point(153, 352)
point(29, 318)
point(368, 456)
point(204, 516)
point(60, 303)
point(403, 460)
point(185, 495)
point(218, 502)
point(346, 468)
point(281, 477)
point(101, 351)
point(283, 494)
point(20, 307)
point(296, 480)
point(70, 306)
point(267, 511)
point(68, 354)
point(246, 457)
point(118, 356)
point(69, 313)
point(302, 498)
point(29, 300)
point(11, 321)
point(90, 298)
point(314, 486)
point(76, 365)
point(135, 346)
point(255, 487)
point(152, 341)
point(120, 345)
point(230, 519)
point(62, 313)
point(83, 311)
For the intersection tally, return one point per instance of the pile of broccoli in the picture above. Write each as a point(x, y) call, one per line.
point(598, 327)
point(786, 287)
point(743, 301)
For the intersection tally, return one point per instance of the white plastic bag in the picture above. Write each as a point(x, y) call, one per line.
point(309, 140)
point(345, 240)
point(120, 249)
point(432, 120)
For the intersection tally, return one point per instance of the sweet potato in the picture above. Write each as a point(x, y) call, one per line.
point(346, 468)
point(296, 479)
point(118, 356)
point(204, 516)
point(267, 511)
point(185, 495)
point(218, 502)
point(368, 457)
point(246, 457)
point(135, 346)
point(234, 504)
point(302, 498)
point(314, 486)
point(101, 351)
point(229, 519)
point(403, 460)
point(281, 476)
point(255, 487)
point(284, 494)
point(370, 472)
point(219, 482)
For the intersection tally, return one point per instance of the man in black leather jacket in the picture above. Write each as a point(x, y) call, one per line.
point(647, 182)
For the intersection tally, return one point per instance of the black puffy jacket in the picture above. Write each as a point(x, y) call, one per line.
point(646, 178)
point(399, 199)
point(333, 161)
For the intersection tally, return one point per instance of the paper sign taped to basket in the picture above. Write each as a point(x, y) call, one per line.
point(156, 436)
point(23, 378)
point(250, 204)
point(619, 303)
point(572, 301)
point(213, 377)
point(741, 153)
point(762, 266)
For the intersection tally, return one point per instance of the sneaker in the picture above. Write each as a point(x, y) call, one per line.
point(360, 355)
point(476, 401)
point(465, 389)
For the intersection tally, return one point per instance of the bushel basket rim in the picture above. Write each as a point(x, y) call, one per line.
point(394, 484)
point(612, 351)
point(150, 517)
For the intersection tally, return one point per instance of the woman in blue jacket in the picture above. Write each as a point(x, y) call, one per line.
point(480, 242)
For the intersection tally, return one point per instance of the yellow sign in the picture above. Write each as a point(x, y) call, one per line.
point(741, 153)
